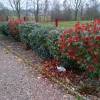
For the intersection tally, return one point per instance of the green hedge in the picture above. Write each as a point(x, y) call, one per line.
point(42, 40)
point(4, 29)
point(25, 30)
point(35, 35)
point(54, 49)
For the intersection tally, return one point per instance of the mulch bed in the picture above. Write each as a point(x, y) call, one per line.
point(82, 83)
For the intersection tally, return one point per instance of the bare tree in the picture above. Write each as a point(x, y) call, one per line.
point(92, 10)
point(16, 6)
point(46, 8)
point(37, 11)
point(4, 12)
point(36, 8)
point(55, 10)
point(28, 9)
point(67, 13)
point(27, 3)
point(77, 4)
point(83, 7)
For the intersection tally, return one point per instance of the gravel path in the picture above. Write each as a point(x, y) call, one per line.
point(17, 83)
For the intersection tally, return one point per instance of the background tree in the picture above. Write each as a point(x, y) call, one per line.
point(77, 4)
point(82, 8)
point(46, 8)
point(4, 12)
point(55, 10)
point(16, 6)
point(37, 4)
point(67, 10)
point(42, 10)
point(92, 10)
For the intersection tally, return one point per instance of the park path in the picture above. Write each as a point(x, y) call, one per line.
point(17, 83)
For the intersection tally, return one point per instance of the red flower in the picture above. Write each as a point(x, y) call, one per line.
point(97, 21)
point(71, 54)
point(77, 27)
point(97, 38)
point(87, 38)
point(91, 68)
point(95, 60)
point(76, 39)
point(83, 27)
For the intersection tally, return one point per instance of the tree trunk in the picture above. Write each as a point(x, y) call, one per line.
point(76, 14)
point(37, 12)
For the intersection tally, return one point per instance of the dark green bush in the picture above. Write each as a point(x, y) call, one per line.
point(42, 39)
point(35, 35)
point(25, 30)
point(53, 46)
point(4, 29)
point(38, 41)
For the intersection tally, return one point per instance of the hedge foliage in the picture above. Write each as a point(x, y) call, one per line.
point(69, 47)
point(4, 28)
point(35, 35)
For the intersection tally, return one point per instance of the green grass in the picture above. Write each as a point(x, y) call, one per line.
point(69, 24)
point(65, 24)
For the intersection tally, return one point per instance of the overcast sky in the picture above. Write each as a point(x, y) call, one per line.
point(6, 3)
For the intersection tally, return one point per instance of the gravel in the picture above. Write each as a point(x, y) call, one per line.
point(19, 83)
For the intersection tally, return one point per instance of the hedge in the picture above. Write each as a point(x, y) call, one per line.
point(36, 37)
point(4, 29)
point(72, 48)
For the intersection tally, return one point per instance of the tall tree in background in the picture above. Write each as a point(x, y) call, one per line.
point(82, 7)
point(36, 8)
point(52, 9)
point(46, 8)
point(77, 4)
point(4, 12)
point(27, 4)
point(95, 8)
point(67, 13)
point(37, 11)
point(92, 10)
point(16, 6)
point(55, 10)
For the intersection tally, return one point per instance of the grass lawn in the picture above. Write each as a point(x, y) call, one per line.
point(65, 24)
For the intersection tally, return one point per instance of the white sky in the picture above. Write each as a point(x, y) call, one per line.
point(6, 3)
